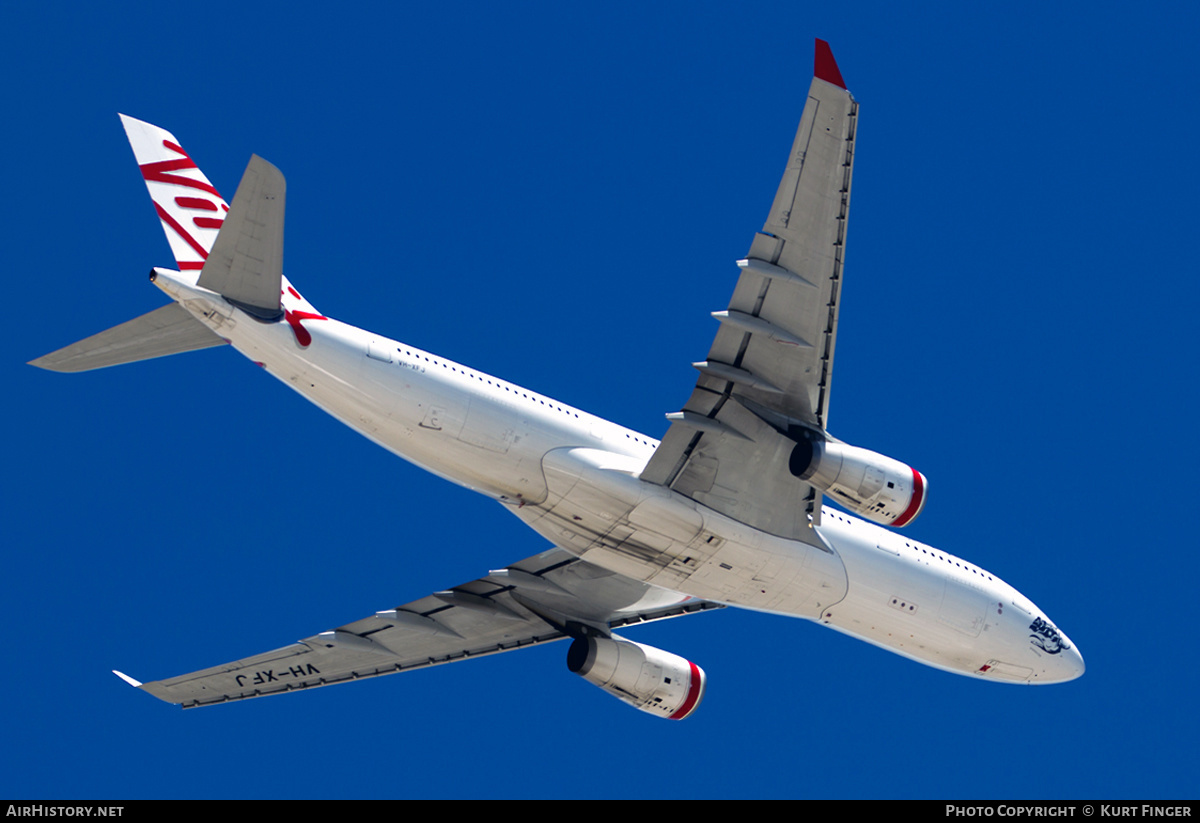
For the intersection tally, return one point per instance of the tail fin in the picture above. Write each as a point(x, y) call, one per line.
point(243, 263)
point(191, 209)
point(192, 213)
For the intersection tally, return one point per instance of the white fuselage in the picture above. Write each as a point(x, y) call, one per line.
point(573, 478)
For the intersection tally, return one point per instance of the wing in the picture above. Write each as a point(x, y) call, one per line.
point(540, 599)
point(766, 378)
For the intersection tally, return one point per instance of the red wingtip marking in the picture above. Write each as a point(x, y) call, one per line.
point(825, 67)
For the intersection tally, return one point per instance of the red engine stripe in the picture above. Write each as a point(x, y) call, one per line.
point(914, 505)
point(693, 695)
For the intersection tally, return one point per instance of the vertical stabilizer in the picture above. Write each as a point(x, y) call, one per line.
point(237, 250)
point(193, 213)
point(191, 210)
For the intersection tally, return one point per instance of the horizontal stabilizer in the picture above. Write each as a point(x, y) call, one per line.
point(246, 263)
point(164, 331)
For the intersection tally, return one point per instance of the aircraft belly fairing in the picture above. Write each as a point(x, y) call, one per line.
point(599, 510)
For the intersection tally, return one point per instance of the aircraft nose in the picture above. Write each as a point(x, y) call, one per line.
point(1068, 663)
point(1061, 659)
point(1073, 664)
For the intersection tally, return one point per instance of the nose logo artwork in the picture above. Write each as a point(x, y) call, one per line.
point(1046, 637)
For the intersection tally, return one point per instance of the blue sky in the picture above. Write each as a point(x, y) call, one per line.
point(558, 196)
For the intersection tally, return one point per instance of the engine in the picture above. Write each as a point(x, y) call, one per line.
point(872, 485)
point(657, 682)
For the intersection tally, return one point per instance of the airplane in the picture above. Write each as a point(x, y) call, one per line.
point(727, 510)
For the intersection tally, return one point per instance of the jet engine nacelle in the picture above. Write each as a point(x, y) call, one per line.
point(657, 682)
point(872, 485)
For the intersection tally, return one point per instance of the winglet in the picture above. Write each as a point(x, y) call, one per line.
point(127, 679)
point(825, 67)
